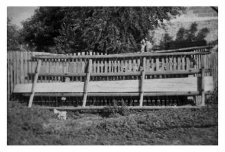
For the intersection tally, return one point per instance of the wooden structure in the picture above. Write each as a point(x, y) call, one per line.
point(184, 72)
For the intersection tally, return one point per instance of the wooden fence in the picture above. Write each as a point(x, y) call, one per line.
point(21, 66)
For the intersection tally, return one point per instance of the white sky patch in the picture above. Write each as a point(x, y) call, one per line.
point(19, 14)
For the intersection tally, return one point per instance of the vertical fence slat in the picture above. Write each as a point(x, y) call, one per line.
point(11, 71)
point(21, 67)
point(187, 63)
point(8, 77)
point(14, 69)
point(25, 67)
point(18, 67)
point(183, 63)
point(157, 63)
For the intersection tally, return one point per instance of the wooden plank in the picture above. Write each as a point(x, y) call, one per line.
point(33, 89)
point(124, 94)
point(130, 65)
point(22, 67)
point(50, 69)
point(147, 68)
point(25, 67)
point(28, 67)
point(150, 85)
point(187, 63)
point(183, 63)
point(184, 49)
point(130, 55)
point(14, 69)
point(106, 66)
point(167, 64)
point(142, 81)
point(203, 81)
point(179, 63)
point(124, 74)
point(128, 107)
point(102, 65)
point(97, 66)
point(83, 63)
point(87, 82)
point(110, 66)
point(18, 62)
point(174, 63)
point(8, 77)
point(94, 66)
point(11, 72)
point(138, 63)
point(171, 63)
point(163, 64)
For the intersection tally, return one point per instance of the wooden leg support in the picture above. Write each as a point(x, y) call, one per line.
point(202, 81)
point(87, 82)
point(142, 82)
point(34, 83)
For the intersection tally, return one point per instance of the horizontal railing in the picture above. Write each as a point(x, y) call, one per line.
point(129, 55)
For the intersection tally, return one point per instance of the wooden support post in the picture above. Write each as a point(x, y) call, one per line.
point(142, 81)
point(34, 83)
point(86, 82)
point(202, 81)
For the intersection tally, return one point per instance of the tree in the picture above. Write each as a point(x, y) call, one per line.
point(102, 29)
point(39, 30)
point(185, 37)
point(12, 36)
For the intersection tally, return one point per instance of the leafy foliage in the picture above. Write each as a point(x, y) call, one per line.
point(185, 35)
point(12, 36)
point(108, 29)
point(39, 30)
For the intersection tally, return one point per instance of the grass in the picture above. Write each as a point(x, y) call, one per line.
point(113, 127)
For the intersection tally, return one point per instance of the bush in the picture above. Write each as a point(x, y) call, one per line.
point(185, 38)
point(115, 110)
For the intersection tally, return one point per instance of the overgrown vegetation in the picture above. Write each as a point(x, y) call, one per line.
point(185, 36)
point(115, 110)
point(156, 127)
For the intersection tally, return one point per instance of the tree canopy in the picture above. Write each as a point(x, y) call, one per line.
point(185, 37)
point(12, 36)
point(102, 29)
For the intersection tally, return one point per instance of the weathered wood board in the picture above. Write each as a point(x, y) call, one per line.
point(150, 85)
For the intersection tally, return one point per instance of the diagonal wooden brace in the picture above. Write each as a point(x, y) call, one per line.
point(34, 83)
point(87, 82)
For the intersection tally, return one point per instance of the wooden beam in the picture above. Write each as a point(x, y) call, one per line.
point(142, 81)
point(124, 94)
point(185, 49)
point(145, 54)
point(34, 83)
point(87, 82)
point(151, 85)
point(128, 107)
point(124, 73)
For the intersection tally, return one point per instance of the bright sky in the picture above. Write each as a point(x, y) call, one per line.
point(19, 14)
